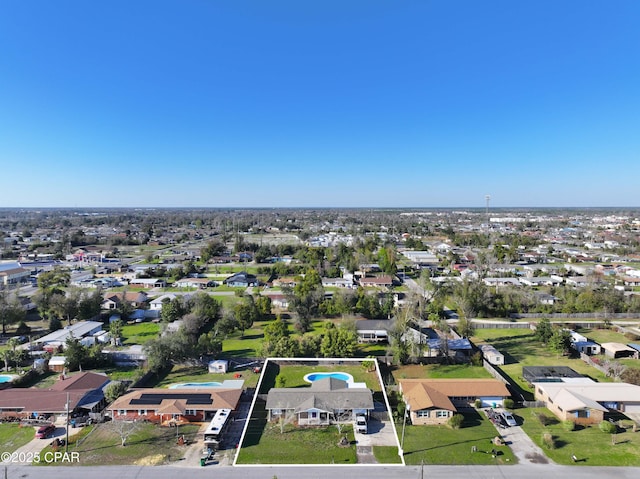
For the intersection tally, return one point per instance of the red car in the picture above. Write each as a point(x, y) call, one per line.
point(44, 432)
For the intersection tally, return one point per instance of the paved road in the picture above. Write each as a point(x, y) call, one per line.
point(324, 472)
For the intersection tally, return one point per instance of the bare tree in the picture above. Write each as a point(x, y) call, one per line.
point(124, 429)
point(614, 369)
point(287, 416)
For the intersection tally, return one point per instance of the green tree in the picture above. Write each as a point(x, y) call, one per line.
point(387, 260)
point(11, 311)
point(209, 344)
point(115, 331)
point(114, 390)
point(560, 341)
point(206, 307)
point(339, 342)
point(172, 309)
point(544, 330)
point(465, 327)
point(76, 354)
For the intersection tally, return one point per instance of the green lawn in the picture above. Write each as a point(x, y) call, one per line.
point(591, 446)
point(604, 336)
point(443, 445)
point(293, 375)
point(520, 348)
point(139, 333)
point(386, 454)
point(440, 371)
point(185, 374)
point(100, 445)
point(312, 445)
point(12, 436)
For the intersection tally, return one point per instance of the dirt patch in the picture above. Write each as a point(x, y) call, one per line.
point(154, 460)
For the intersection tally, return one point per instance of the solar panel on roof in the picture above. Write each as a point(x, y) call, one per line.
point(191, 398)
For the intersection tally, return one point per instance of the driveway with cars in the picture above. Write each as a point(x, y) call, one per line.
point(520, 443)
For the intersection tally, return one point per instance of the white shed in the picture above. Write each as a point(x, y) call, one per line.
point(491, 354)
point(218, 366)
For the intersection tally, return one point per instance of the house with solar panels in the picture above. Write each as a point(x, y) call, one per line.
point(174, 406)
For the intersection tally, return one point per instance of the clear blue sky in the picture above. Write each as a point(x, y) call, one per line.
point(319, 103)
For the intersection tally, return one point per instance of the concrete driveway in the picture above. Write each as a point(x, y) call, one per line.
point(522, 446)
point(24, 455)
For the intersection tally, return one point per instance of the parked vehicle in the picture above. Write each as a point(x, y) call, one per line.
point(508, 419)
point(361, 424)
point(44, 432)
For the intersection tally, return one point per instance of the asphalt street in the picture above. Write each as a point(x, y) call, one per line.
point(528, 471)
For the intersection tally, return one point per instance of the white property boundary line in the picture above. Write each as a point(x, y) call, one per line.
point(332, 360)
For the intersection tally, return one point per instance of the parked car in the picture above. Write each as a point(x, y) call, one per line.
point(361, 424)
point(44, 432)
point(508, 419)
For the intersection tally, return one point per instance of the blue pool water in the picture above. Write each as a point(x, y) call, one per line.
point(210, 384)
point(315, 376)
point(5, 379)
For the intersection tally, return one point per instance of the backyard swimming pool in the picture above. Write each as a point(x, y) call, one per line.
point(5, 378)
point(315, 376)
point(210, 384)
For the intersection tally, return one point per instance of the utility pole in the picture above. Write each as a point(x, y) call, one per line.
point(66, 442)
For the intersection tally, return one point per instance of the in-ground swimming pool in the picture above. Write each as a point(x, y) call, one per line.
point(5, 378)
point(210, 384)
point(315, 376)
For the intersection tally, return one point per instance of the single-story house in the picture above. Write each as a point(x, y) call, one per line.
point(148, 282)
point(585, 401)
point(181, 405)
point(377, 282)
point(241, 280)
point(326, 401)
point(495, 282)
point(78, 330)
point(199, 283)
point(434, 401)
point(279, 301)
point(337, 283)
point(114, 300)
point(374, 330)
point(618, 350)
point(84, 390)
point(491, 354)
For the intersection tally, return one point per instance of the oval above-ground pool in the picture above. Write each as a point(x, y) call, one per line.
point(311, 377)
point(6, 378)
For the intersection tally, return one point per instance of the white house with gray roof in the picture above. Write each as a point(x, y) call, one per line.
point(326, 401)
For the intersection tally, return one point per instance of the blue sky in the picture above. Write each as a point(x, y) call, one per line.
point(319, 103)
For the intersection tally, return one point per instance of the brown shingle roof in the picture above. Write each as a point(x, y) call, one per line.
point(420, 396)
point(460, 387)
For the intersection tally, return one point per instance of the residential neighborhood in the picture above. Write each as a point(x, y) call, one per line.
point(217, 347)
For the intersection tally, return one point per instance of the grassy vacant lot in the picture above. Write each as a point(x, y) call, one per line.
point(139, 333)
point(151, 444)
point(591, 446)
point(12, 436)
point(312, 446)
point(443, 445)
point(520, 348)
point(440, 371)
point(186, 374)
point(604, 336)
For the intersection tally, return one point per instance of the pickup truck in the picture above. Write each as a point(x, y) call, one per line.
point(361, 424)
